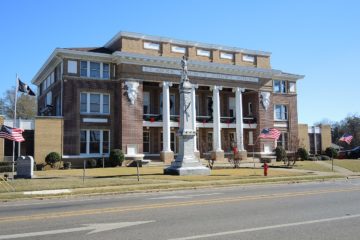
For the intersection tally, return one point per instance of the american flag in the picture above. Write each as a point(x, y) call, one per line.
point(270, 133)
point(13, 134)
point(346, 138)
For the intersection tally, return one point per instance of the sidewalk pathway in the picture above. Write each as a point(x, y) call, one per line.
point(341, 170)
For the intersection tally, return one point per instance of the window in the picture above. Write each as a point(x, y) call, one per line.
point(94, 69)
point(251, 138)
point(49, 98)
point(283, 140)
point(146, 103)
point(152, 45)
point(292, 87)
point(172, 104)
point(94, 141)
point(209, 106)
point(178, 49)
point(232, 140)
point(83, 68)
point(279, 86)
point(94, 103)
point(248, 58)
point(106, 71)
point(232, 108)
point(72, 67)
point(250, 109)
point(225, 55)
point(280, 112)
point(203, 52)
point(197, 105)
point(146, 141)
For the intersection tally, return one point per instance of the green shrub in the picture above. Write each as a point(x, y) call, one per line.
point(91, 163)
point(40, 167)
point(331, 152)
point(67, 165)
point(52, 158)
point(280, 154)
point(324, 157)
point(303, 154)
point(6, 167)
point(116, 157)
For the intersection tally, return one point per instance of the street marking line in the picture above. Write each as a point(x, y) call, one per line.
point(94, 228)
point(267, 227)
point(183, 196)
point(45, 216)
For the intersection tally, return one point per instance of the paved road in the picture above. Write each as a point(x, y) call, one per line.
point(323, 210)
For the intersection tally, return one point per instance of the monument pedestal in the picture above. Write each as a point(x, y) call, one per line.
point(218, 156)
point(167, 157)
point(186, 163)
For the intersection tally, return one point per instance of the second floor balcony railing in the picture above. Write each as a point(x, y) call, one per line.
point(199, 119)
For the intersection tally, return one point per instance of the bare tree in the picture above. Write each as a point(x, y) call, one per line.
point(25, 107)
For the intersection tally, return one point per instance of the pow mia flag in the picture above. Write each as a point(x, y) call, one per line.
point(23, 87)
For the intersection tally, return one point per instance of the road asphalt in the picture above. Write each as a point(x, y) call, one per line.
point(320, 210)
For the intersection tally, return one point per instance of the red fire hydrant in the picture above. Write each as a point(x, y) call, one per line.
point(266, 166)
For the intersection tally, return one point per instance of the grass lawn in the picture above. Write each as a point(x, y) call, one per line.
point(311, 166)
point(124, 179)
point(351, 164)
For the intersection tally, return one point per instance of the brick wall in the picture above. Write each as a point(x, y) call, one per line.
point(137, 46)
point(325, 137)
point(303, 136)
point(73, 122)
point(131, 119)
point(48, 137)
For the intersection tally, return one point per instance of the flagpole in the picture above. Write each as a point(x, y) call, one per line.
point(14, 125)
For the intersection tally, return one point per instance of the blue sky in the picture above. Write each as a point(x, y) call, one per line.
point(320, 39)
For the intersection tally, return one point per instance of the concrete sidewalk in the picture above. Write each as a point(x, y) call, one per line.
point(340, 170)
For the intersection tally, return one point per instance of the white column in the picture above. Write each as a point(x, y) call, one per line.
point(193, 99)
point(239, 119)
point(216, 119)
point(166, 116)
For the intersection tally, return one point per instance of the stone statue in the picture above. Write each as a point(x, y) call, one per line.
point(265, 99)
point(132, 90)
point(184, 68)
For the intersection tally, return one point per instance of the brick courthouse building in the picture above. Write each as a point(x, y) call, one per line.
point(125, 93)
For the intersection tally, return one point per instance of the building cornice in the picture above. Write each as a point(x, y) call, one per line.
point(184, 43)
point(167, 62)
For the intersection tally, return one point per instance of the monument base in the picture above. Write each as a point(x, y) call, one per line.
point(167, 157)
point(218, 156)
point(186, 171)
point(241, 155)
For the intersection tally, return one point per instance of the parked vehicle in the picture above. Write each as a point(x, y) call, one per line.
point(354, 153)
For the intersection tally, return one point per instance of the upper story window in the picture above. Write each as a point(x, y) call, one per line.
point(152, 45)
point(146, 102)
point(292, 87)
point(72, 67)
point(226, 55)
point(172, 104)
point(94, 69)
point(47, 82)
point(94, 103)
point(232, 107)
point(178, 49)
point(203, 52)
point(280, 112)
point(279, 86)
point(248, 58)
